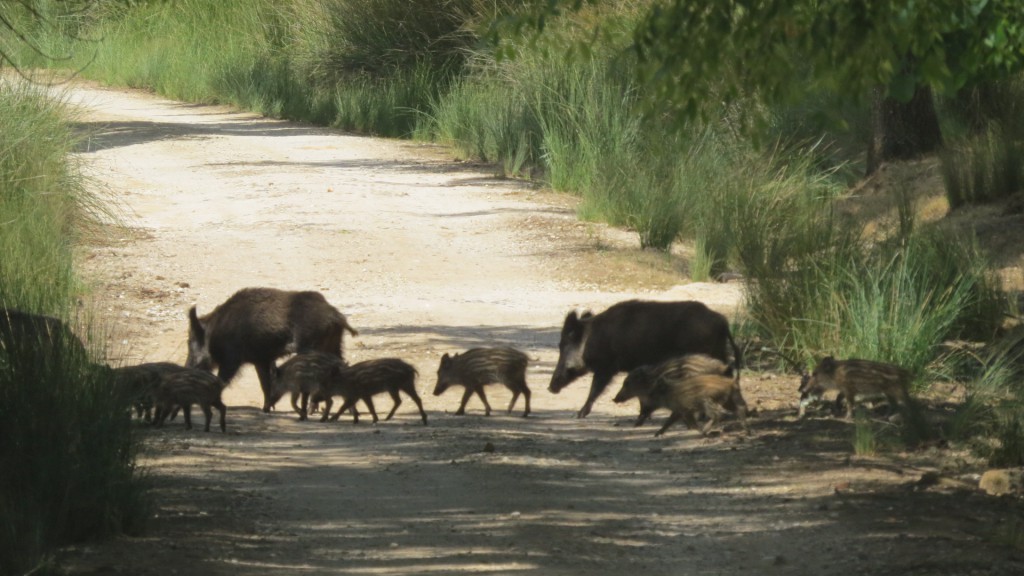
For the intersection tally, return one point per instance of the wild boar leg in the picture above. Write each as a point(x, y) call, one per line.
point(526, 396)
point(465, 399)
point(419, 404)
point(672, 419)
point(326, 414)
point(597, 386)
point(209, 415)
point(515, 396)
point(397, 401)
point(348, 404)
point(187, 409)
point(265, 372)
point(712, 418)
point(219, 405)
point(373, 411)
point(483, 398)
point(645, 413)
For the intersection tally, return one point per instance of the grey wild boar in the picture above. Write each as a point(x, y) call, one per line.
point(304, 376)
point(364, 380)
point(636, 333)
point(140, 380)
point(855, 377)
point(38, 336)
point(705, 393)
point(259, 325)
point(185, 388)
point(639, 381)
point(478, 367)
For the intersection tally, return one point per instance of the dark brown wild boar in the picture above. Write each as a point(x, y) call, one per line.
point(36, 335)
point(855, 377)
point(364, 380)
point(185, 388)
point(636, 333)
point(478, 367)
point(305, 375)
point(639, 381)
point(139, 382)
point(259, 325)
point(702, 393)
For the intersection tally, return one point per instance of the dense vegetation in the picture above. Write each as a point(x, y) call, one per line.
point(750, 176)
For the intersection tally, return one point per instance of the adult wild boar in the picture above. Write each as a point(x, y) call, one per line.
point(259, 325)
point(38, 336)
point(633, 333)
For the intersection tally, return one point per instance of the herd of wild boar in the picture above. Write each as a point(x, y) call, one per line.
point(679, 356)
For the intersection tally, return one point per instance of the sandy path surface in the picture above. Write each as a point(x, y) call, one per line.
point(425, 256)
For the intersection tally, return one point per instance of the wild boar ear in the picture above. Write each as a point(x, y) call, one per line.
point(195, 325)
point(587, 316)
point(828, 364)
point(445, 360)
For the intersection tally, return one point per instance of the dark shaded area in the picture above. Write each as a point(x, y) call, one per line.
point(554, 495)
point(96, 136)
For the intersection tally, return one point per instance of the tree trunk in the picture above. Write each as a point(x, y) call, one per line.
point(902, 130)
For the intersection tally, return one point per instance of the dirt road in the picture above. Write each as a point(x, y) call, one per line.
point(426, 255)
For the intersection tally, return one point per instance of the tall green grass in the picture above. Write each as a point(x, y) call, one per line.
point(390, 106)
point(67, 453)
point(194, 50)
point(485, 119)
point(42, 202)
point(374, 66)
point(579, 124)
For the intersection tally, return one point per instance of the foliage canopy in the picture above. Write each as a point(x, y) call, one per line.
point(698, 51)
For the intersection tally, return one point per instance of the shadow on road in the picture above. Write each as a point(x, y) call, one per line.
point(548, 494)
